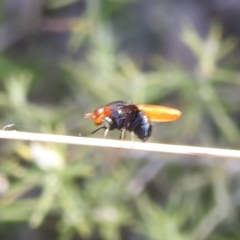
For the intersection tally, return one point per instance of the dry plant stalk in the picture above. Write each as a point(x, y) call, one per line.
point(99, 142)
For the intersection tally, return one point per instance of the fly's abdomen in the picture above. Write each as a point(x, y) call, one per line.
point(141, 126)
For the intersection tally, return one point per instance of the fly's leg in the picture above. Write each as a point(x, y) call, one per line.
point(123, 134)
point(106, 132)
point(97, 130)
point(132, 136)
point(87, 134)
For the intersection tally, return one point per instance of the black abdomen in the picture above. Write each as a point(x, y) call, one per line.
point(128, 116)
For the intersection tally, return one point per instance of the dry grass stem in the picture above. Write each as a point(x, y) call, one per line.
point(99, 142)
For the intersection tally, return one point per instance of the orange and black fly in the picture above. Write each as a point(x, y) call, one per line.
point(135, 118)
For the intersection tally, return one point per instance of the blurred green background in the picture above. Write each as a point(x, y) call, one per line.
point(63, 58)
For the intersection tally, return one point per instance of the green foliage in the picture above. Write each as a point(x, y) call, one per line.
point(208, 54)
point(87, 192)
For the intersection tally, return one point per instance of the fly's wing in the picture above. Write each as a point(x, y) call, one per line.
point(159, 113)
point(119, 109)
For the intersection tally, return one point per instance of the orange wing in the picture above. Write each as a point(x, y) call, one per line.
point(159, 113)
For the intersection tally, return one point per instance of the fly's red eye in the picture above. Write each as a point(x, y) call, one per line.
point(96, 116)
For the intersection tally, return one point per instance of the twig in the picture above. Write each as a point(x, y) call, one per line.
point(99, 142)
